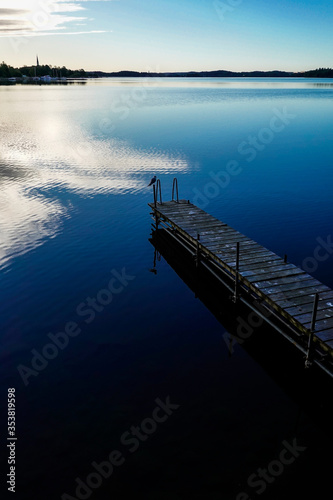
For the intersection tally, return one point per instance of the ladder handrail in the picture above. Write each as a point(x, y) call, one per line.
point(175, 186)
point(156, 190)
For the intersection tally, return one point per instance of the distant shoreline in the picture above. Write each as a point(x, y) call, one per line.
point(74, 77)
point(83, 80)
point(24, 74)
point(318, 73)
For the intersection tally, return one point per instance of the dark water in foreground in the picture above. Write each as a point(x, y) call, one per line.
point(75, 257)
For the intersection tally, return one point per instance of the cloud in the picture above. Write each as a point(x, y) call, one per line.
point(9, 23)
point(42, 17)
point(10, 12)
point(50, 33)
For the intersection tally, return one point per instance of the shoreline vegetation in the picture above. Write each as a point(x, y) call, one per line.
point(48, 73)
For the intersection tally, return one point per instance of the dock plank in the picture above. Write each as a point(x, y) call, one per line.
point(298, 296)
point(231, 245)
point(305, 318)
point(271, 273)
point(245, 252)
point(322, 324)
point(325, 335)
point(255, 261)
point(307, 306)
point(274, 265)
point(290, 282)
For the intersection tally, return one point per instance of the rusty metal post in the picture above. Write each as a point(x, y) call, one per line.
point(159, 190)
point(235, 297)
point(308, 361)
point(197, 260)
point(154, 191)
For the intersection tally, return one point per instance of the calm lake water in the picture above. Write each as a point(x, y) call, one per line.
point(74, 167)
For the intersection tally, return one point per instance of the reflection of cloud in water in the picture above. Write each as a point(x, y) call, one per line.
point(63, 155)
point(11, 172)
point(40, 156)
point(25, 221)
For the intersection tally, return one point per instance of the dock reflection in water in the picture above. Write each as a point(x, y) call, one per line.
point(244, 329)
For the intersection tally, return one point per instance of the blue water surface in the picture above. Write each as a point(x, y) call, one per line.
point(74, 167)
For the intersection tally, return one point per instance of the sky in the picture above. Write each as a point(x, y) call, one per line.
point(168, 35)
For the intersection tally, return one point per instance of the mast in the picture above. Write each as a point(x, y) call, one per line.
point(37, 64)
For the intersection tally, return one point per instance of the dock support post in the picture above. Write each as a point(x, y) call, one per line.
point(235, 297)
point(155, 203)
point(156, 221)
point(197, 259)
point(308, 361)
point(159, 190)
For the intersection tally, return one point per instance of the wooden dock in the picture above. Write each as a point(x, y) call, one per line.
point(288, 293)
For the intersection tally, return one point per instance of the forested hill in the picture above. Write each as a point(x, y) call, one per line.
point(7, 71)
point(317, 73)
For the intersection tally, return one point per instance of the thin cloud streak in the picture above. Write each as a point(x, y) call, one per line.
point(10, 12)
point(41, 18)
point(49, 33)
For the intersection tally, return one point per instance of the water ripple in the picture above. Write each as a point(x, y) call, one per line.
point(46, 150)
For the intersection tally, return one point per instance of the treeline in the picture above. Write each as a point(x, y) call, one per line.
point(192, 74)
point(317, 73)
point(320, 73)
point(7, 71)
